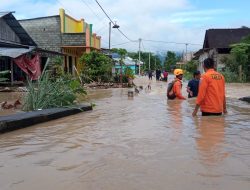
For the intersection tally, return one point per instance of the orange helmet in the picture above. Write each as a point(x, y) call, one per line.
point(178, 72)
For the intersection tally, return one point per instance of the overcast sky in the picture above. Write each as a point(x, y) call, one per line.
point(181, 21)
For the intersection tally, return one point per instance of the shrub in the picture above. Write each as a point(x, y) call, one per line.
point(96, 67)
point(128, 72)
point(47, 93)
point(231, 76)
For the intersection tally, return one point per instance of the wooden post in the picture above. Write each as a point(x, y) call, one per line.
point(240, 73)
point(11, 72)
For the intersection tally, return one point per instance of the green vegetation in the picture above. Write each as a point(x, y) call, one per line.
point(3, 75)
point(96, 67)
point(51, 92)
point(128, 72)
point(122, 53)
point(189, 69)
point(170, 61)
point(231, 76)
point(238, 63)
point(57, 66)
point(155, 62)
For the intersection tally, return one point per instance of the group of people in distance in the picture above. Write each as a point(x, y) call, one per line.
point(208, 88)
point(161, 75)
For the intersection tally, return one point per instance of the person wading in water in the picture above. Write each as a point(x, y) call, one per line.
point(211, 97)
point(193, 85)
point(174, 88)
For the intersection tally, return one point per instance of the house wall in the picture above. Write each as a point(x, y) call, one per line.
point(217, 57)
point(74, 39)
point(7, 34)
point(201, 59)
point(45, 32)
point(118, 68)
point(63, 34)
point(71, 25)
point(219, 65)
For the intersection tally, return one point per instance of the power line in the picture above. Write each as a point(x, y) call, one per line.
point(143, 46)
point(178, 43)
point(92, 10)
point(64, 7)
point(124, 43)
point(105, 12)
point(102, 28)
point(124, 35)
point(112, 20)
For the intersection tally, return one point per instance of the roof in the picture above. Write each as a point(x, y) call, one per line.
point(12, 45)
point(37, 18)
point(17, 28)
point(223, 38)
point(115, 55)
point(128, 61)
point(201, 51)
point(14, 52)
point(3, 14)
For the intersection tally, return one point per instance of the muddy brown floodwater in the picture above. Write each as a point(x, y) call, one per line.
point(140, 143)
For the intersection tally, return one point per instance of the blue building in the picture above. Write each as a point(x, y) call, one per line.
point(128, 63)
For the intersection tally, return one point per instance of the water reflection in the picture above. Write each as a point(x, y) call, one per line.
point(211, 140)
point(175, 116)
point(145, 143)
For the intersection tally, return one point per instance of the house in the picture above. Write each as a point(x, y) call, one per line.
point(64, 34)
point(217, 45)
point(19, 55)
point(186, 57)
point(128, 62)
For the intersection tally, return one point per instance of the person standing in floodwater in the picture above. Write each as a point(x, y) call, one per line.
point(158, 74)
point(193, 85)
point(150, 75)
point(211, 97)
point(174, 88)
point(165, 76)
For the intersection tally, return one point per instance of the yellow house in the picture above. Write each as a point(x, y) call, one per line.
point(64, 34)
point(70, 27)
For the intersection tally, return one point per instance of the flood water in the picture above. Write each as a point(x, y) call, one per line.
point(139, 143)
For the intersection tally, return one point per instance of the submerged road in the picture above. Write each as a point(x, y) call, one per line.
point(144, 142)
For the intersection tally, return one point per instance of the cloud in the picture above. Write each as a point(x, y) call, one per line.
point(190, 19)
point(205, 12)
point(198, 16)
point(163, 20)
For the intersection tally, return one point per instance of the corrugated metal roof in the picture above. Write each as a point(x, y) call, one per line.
point(4, 13)
point(223, 38)
point(11, 44)
point(14, 52)
point(17, 28)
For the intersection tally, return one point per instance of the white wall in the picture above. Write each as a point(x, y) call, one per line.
point(217, 59)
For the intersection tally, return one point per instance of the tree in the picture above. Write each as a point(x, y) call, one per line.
point(96, 67)
point(191, 66)
point(240, 57)
point(170, 61)
point(154, 60)
point(122, 53)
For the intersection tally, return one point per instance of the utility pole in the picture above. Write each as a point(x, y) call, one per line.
point(140, 56)
point(155, 63)
point(149, 66)
point(186, 51)
point(109, 35)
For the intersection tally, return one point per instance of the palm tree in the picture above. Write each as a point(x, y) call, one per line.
point(122, 53)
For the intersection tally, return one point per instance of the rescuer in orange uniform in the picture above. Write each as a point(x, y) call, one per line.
point(174, 91)
point(211, 97)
